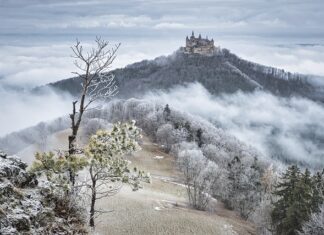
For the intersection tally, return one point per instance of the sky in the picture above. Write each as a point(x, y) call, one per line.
point(36, 35)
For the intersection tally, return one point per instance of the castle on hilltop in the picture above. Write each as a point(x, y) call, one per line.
point(199, 45)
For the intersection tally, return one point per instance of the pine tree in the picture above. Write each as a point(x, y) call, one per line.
point(199, 137)
point(189, 131)
point(167, 113)
point(318, 191)
point(300, 209)
point(285, 191)
point(295, 192)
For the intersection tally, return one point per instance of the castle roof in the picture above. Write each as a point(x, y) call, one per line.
point(199, 38)
point(199, 45)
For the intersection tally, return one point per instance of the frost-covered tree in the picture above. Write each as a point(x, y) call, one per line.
point(261, 216)
point(244, 186)
point(163, 135)
point(103, 161)
point(318, 191)
point(43, 135)
point(107, 169)
point(200, 177)
point(91, 126)
point(56, 168)
point(216, 154)
point(95, 81)
point(315, 226)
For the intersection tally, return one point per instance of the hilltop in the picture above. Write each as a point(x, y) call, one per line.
point(221, 72)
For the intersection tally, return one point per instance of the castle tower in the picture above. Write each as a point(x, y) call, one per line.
point(199, 45)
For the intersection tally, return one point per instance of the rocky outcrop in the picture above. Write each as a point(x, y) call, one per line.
point(28, 206)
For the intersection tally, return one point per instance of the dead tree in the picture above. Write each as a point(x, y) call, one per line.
point(96, 82)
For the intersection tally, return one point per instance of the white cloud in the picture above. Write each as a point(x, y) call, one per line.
point(34, 65)
point(170, 25)
point(292, 57)
point(100, 21)
point(259, 119)
point(23, 109)
point(28, 66)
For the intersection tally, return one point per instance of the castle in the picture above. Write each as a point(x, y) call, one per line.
point(199, 45)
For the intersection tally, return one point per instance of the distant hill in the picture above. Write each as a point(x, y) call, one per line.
point(222, 72)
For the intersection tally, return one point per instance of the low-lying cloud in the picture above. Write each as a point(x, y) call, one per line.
point(290, 129)
point(34, 65)
point(30, 65)
point(292, 57)
point(23, 109)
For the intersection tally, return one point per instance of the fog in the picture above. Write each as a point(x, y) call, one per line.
point(290, 129)
point(23, 109)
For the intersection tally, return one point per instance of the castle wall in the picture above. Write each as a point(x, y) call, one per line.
point(199, 45)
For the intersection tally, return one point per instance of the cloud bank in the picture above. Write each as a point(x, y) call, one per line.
point(23, 109)
point(287, 129)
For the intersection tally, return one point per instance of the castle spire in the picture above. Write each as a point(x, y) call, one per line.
point(199, 45)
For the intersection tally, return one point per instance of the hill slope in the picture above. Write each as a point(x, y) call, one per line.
point(160, 207)
point(223, 72)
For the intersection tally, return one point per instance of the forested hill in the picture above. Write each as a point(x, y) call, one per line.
point(223, 72)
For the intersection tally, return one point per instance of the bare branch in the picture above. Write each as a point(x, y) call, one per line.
point(96, 85)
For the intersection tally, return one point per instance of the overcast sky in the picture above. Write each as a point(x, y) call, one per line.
point(291, 18)
point(35, 35)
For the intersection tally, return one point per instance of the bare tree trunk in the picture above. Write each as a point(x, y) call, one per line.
point(92, 209)
point(92, 64)
point(93, 201)
point(72, 139)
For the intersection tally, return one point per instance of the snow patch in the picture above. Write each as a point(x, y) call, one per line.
point(158, 157)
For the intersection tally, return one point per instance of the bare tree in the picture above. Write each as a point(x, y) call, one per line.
point(96, 82)
point(200, 175)
point(43, 133)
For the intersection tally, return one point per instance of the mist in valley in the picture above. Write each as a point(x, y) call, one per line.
point(284, 129)
point(287, 130)
point(21, 109)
